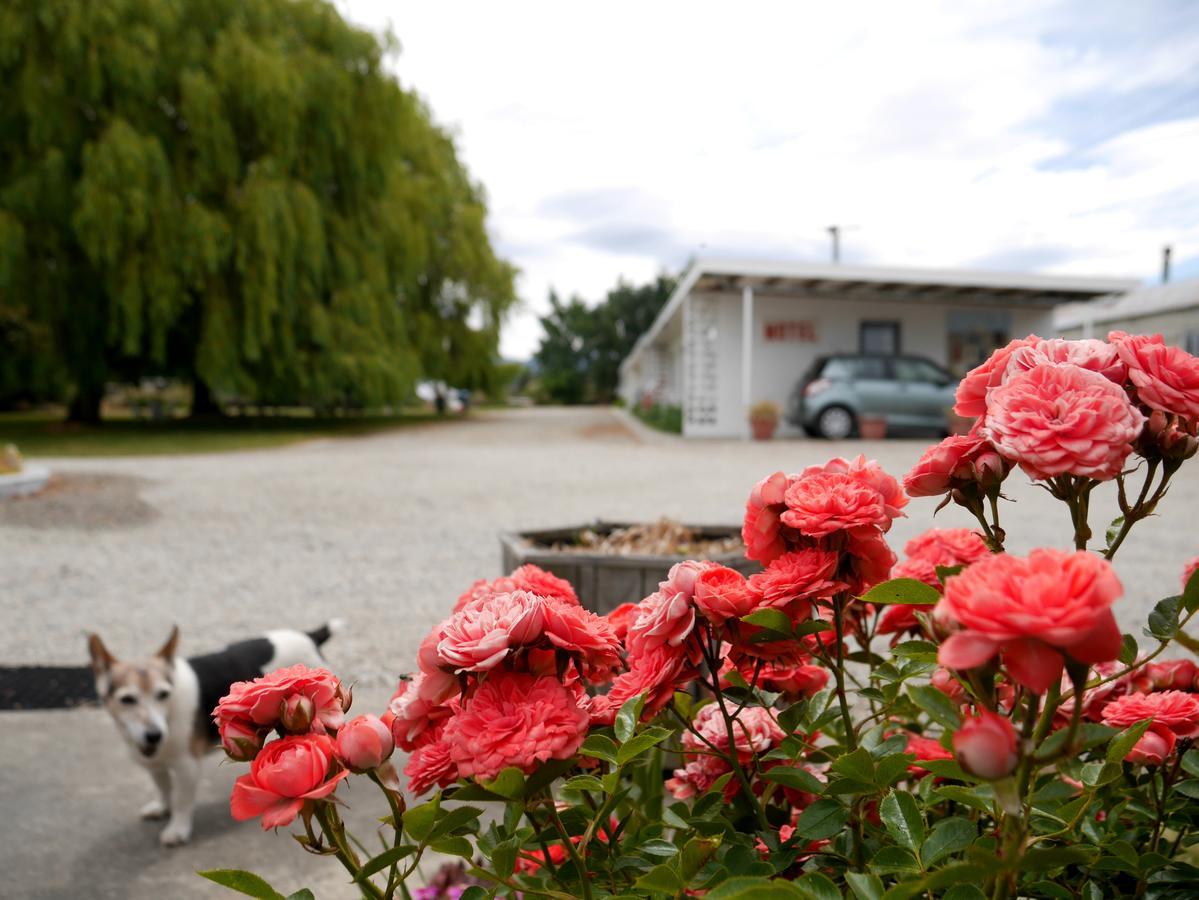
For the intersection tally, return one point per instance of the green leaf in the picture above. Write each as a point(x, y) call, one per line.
point(599, 746)
point(940, 708)
point(771, 620)
point(791, 717)
point(965, 892)
point(864, 885)
point(302, 894)
point(948, 836)
point(812, 626)
point(503, 857)
point(822, 819)
point(915, 650)
point(584, 783)
point(815, 886)
point(1113, 531)
point(794, 777)
point(901, 817)
point(858, 765)
point(510, 783)
point(1188, 788)
point(944, 573)
point(1126, 740)
point(243, 882)
point(696, 853)
point(1045, 860)
point(908, 591)
point(1190, 762)
point(661, 879)
point(418, 821)
point(384, 861)
point(948, 768)
point(453, 820)
point(1128, 650)
point(638, 744)
point(967, 796)
point(453, 846)
point(628, 717)
point(756, 889)
point(1190, 593)
point(1163, 621)
point(475, 892)
point(892, 860)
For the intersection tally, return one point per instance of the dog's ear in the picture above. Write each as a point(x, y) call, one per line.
point(167, 651)
point(102, 660)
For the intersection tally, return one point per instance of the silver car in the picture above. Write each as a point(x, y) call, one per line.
point(910, 392)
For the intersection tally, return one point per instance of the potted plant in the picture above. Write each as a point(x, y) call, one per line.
point(872, 427)
point(763, 420)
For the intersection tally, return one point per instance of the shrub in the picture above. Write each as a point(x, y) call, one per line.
point(966, 723)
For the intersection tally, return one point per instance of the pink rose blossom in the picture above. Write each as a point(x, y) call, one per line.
point(1188, 570)
point(430, 766)
point(1175, 710)
point(1063, 420)
point(869, 474)
point(364, 743)
point(762, 529)
point(1091, 354)
point(1166, 378)
point(411, 716)
point(986, 745)
point(828, 502)
point(483, 632)
point(1153, 747)
point(794, 579)
point(264, 700)
point(657, 673)
point(682, 577)
point(283, 776)
point(662, 618)
point(722, 593)
point(581, 632)
point(622, 618)
point(948, 546)
point(957, 461)
point(1166, 675)
point(1031, 612)
point(537, 581)
point(515, 719)
point(870, 560)
point(972, 390)
point(925, 749)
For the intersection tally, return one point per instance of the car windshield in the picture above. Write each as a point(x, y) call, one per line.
point(855, 367)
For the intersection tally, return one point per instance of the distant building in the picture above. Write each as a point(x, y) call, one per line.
point(1171, 310)
point(736, 332)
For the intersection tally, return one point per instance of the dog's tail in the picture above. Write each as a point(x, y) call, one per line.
point(326, 631)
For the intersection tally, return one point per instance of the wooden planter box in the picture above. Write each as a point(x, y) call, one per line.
point(603, 581)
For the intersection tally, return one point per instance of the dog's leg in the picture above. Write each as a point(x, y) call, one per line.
point(157, 809)
point(185, 777)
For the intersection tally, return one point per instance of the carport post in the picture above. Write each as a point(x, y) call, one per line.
point(747, 354)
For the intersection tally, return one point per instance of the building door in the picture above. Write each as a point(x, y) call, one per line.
point(879, 338)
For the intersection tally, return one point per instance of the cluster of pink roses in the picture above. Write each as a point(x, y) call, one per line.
point(316, 750)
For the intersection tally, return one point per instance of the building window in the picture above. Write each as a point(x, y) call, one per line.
point(974, 334)
point(880, 338)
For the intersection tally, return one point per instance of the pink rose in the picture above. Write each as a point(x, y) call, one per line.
point(515, 719)
point(662, 618)
point(411, 716)
point(1093, 355)
point(1188, 570)
point(1031, 611)
point(1175, 710)
point(1166, 378)
point(722, 593)
point(755, 731)
point(537, 581)
point(986, 745)
point(972, 390)
point(945, 682)
point(870, 560)
point(869, 474)
point(364, 743)
point(657, 673)
point(241, 739)
point(265, 700)
point(622, 618)
point(794, 579)
point(283, 776)
point(483, 632)
point(430, 765)
point(762, 529)
point(682, 575)
point(1063, 420)
point(580, 632)
point(919, 569)
point(1167, 675)
point(958, 461)
point(925, 750)
point(828, 502)
point(1153, 747)
point(948, 546)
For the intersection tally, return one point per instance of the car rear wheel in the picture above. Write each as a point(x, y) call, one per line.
point(835, 423)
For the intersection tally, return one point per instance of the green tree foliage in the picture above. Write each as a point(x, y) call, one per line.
point(235, 191)
point(582, 348)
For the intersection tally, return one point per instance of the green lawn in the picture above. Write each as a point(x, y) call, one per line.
point(45, 434)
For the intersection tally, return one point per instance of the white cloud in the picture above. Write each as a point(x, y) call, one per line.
point(617, 139)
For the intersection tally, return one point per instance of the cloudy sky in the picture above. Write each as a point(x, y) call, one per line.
point(620, 139)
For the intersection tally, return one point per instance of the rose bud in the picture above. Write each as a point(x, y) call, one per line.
point(241, 740)
point(1154, 746)
point(297, 713)
point(986, 746)
point(364, 743)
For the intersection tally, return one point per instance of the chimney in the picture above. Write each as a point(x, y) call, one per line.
point(1165, 263)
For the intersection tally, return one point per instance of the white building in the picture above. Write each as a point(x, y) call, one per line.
point(1171, 310)
point(737, 332)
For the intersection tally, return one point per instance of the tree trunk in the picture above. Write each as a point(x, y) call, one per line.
point(85, 407)
point(204, 404)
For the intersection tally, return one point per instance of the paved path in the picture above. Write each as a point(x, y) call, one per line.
point(386, 531)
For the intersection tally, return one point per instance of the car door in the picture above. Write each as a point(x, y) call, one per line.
point(873, 385)
point(924, 392)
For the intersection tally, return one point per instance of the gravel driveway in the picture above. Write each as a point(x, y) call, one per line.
point(383, 530)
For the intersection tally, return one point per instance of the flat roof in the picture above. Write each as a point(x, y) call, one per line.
point(899, 284)
point(1147, 301)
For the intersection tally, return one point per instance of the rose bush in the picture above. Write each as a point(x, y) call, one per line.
point(962, 724)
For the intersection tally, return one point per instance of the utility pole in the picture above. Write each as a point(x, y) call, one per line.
point(1165, 263)
point(835, 233)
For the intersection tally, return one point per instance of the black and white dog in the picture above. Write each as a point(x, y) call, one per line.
point(163, 707)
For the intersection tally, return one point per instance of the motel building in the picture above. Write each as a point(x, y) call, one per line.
point(738, 332)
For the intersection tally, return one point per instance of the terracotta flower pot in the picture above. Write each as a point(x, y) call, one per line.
point(872, 428)
point(763, 429)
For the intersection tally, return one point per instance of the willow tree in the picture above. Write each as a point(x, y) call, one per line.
point(236, 192)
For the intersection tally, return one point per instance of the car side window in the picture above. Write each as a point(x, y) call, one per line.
point(870, 367)
point(838, 369)
point(918, 370)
